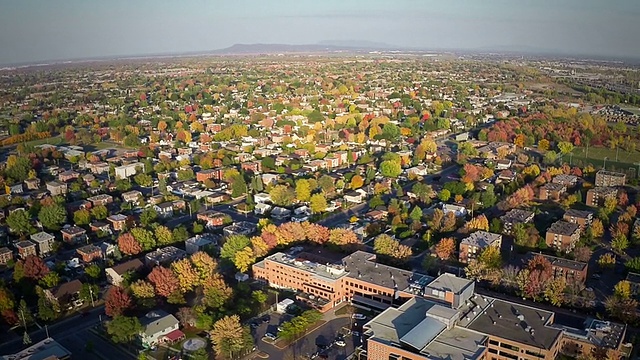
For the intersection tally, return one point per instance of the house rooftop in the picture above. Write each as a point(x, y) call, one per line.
point(481, 239)
point(561, 262)
point(131, 265)
point(516, 216)
point(610, 173)
point(553, 187)
point(42, 237)
point(24, 244)
point(88, 249)
point(563, 228)
point(73, 230)
point(583, 214)
point(157, 321)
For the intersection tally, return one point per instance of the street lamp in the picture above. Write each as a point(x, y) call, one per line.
point(91, 294)
point(604, 165)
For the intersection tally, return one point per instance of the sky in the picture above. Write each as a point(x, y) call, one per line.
point(45, 30)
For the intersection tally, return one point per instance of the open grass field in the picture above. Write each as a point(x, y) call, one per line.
point(620, 159)
point(56, 140)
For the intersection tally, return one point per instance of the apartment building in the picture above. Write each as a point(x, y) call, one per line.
point(571, 270)
point(26, 248)
point(566, 180)
point(515, 216)
point(563, 235)
point(164, 256)
point(6, 255)
point(610, 178)
point(580, 217)
point(473, 245)
point(551, 191)
point(44, 242)
point(597, 196)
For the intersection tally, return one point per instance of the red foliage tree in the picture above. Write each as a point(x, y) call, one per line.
point(128, 244)
point(10, 317)
point(116, 301)
point(35, 268)
point(317, 233)
point(623, 198)
point(164, 281)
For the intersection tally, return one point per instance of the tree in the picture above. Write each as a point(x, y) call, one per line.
point(94, 271)
point(491, 257)
point(244, 259)
point(445, 248)
point(116, 301)
point(6, 300)
point(423, 191)
point(606, 261)
point(342, 237)
point(356, 182)
point(565, 147)
point(124, 329)
point(82, 217)
point(554, 290)
point(318, 203)
point(164, 236)
point(186, 316)
point(46, 310)
point(216, 293)
point(148, 216)
point(238, 186)
point(282, 195)
point(388, 246)
point(416, 214)
point(303, 190)
point(390, 168)
point(52, 216)
point(100, 212)
point(186, 274)
point(143, 179)
point(232, 245)
point(35, 268)
point(204, 264)
point(50, 280)
point(20, 223)
point(128, 245)
point(142, 289)
point(180, 234)
point(543, 144)
point(229, 337)
point(477, 223)
point(619, 243)
point(622, 290)
point(163, 280)
point(597, 228)
point(144, 237)
point(582, 253)
point(444, 195)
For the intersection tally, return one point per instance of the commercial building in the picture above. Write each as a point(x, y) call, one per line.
point(47, 349)
point(610, 178)
point(485, 328)
point(563, 235)
point(515, 216)
point(474, 244)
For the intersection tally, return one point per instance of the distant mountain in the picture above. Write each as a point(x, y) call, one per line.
point(326, 46)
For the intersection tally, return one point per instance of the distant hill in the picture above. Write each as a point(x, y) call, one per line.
point(243, 49)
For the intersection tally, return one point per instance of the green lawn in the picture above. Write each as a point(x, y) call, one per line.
point(596, 157)
point(56, 140)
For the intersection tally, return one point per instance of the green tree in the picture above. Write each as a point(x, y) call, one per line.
point(52, 216)
point(232, 245)
point(238, 186)
point(390, 168)
point(180, 234)
point(565, 147)
point(100, 212)
point(148, 216)
point(46, 310)
point(164, 236)
point(124, 329)
point(50, 280)
point(82, 217)
point(143, 179)
point(416, 214)
point(303, 190)
point(20, 223)
point(444, 195)
point(93, 271)
point(282, 195)
point(144, 237)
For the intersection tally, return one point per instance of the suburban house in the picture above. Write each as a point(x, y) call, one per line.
point(262, 208)
point(199, 243)
point(116, 274)
point(280, 213)
point(73, 234)
point(515, 216)
point(551, 191)
point(125, 171)
point(240, 228)
point(457, 210)
point(6, 255)
point(90, 252)
point(102, 199)
point(580, 217)
point(212, 218)
point(26, 248)
point(132, 196)
point(164, 210)
point(68, 175)
point(563, 235)
point(262, 198)
point(156, 325)
point(356, 197)
point(97, 226)
point(32, 184)
point(473, 245)
point(164, 256)
point(66, 294)
point(44, 241)
point(56, 188)
point(118, 221)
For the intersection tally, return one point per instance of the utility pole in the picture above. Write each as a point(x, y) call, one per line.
point(617, 151)
point(91, 294)
point(604, 165)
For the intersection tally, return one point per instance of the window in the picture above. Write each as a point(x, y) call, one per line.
point(394, 357)
point(493, 342)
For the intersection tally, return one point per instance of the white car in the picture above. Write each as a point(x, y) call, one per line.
point(359, 316)
point(270, 336)
point(341, 343)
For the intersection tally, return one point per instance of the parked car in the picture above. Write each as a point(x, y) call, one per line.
point(341, 343)
point(270, 336)
point(359, 316)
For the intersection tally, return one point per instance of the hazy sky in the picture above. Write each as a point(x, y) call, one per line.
point(40, 30)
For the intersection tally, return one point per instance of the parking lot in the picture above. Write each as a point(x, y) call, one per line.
point(321, 340)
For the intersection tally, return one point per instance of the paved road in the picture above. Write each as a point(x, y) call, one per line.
point(60, 330)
